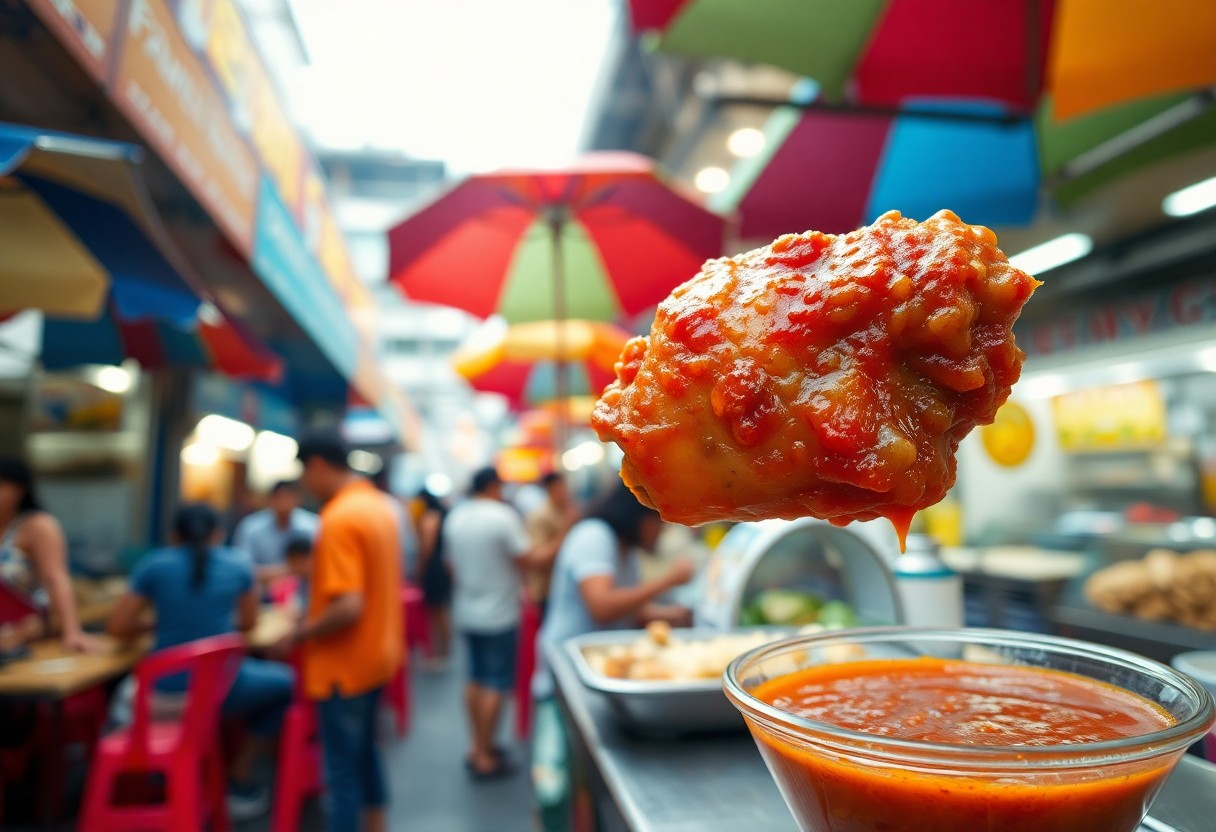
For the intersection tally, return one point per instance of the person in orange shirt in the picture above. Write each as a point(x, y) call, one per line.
point(352, 635)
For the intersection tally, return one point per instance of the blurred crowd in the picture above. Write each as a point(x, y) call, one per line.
point(482, 565)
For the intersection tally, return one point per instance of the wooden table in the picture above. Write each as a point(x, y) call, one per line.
point(52, 672)
point(273, 624)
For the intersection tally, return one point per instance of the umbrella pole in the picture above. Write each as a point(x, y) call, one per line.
point(561, 426)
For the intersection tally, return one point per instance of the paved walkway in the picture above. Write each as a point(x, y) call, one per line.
point(427, 782)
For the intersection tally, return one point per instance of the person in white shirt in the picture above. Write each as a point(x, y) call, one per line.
point(488, 549)
point(264, 535)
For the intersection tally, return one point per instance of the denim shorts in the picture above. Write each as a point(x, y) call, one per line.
point(492, 659)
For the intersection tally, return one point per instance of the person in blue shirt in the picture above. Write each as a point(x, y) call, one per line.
point(596, 585)
point(198, 589)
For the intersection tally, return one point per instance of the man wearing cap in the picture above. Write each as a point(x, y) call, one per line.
point(352, 635)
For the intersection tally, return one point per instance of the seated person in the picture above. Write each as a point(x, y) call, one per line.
point(263, 535)
point(198, 589)
point(298, 554)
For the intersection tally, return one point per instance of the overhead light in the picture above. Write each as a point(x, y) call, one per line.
point(745, 142)
point(115, 380)
point(272, 458)
point(1047, 256)
point(225, 433)
point(201, 454)
point(1042, 386)
point(1191, 199)
point(365, 462)
point(711, 180)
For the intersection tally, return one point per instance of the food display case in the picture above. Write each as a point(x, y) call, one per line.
point(802, 572)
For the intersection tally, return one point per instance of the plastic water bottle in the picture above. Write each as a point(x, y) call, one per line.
point(931, 593)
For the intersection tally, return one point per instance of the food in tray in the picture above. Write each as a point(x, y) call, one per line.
point(663, 654)
point(796, 608)
point(1161, 586)
point(825, 375)
point(967, 704)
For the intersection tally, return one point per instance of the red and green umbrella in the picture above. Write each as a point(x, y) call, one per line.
point(603, 239)
point(1087, 54)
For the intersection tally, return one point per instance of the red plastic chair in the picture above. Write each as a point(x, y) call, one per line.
point(298, 774)
point(397, 695)
point(185, 751)
point(417, 636)
point(525, 666)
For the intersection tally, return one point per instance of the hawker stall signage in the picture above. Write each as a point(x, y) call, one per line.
point(282, 260)
point(86, 27)
point(162, 88)
point(1190, 303)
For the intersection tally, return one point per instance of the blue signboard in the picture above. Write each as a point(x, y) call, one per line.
point(288, 268)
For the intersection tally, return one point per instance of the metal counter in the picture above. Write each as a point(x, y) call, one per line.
point(719, 783)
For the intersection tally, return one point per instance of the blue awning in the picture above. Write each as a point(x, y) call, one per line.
point(80, 203)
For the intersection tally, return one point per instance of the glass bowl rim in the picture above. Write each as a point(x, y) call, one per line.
point(1127, 749)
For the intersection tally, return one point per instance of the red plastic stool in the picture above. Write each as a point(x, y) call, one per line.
point(417, 633)
point(186, 751)
point(298, 774)
point(397, 697)
point(525, 667)
point(417, 625)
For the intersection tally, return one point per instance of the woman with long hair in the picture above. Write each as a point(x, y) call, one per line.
point(596, 581)
point(33, 553)
point(434, 577)
point(596, 586)
point(197, 589)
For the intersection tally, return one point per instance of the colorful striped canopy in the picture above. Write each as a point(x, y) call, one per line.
point(217, 343)
point(76, 231)
point(1087, 54)
point(624, 240)
point(833, 172)
point(522, 363)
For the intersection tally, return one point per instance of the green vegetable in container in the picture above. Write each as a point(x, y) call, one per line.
point(750, 616)
point(837, 615)
point(788, 607)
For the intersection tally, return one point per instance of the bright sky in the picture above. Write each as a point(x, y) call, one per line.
point(477, 83)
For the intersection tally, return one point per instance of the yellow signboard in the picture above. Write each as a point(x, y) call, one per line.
point(1120, 416)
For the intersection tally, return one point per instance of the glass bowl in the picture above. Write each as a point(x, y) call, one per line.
point(839, 780)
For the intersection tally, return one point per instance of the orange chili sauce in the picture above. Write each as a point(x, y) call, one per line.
point(968, 704)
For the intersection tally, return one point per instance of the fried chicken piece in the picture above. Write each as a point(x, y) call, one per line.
point(823, 375)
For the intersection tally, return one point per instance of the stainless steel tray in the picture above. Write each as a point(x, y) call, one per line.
point(659, 708)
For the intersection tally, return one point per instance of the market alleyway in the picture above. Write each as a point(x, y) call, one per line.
point(430, 790)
